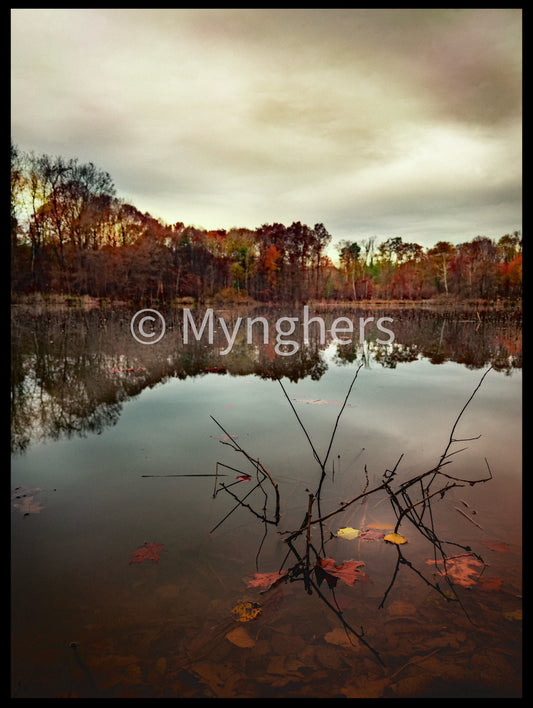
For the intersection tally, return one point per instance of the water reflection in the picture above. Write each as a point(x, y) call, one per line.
point(73, 369)
point(410, 503)
point(100, 497)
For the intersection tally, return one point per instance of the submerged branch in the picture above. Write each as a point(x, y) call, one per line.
point(410, 500)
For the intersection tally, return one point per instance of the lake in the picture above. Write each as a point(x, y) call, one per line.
point(179, 507)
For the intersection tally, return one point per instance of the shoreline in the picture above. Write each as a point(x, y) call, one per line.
point(55, 301)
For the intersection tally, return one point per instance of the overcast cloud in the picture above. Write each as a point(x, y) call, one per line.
point(375, 122)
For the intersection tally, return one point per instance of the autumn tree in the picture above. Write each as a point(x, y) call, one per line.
point(440, 256)
point(70, 233)
point(349, 254)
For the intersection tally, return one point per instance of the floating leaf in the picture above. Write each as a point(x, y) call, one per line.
point(28, 505)
point(320, 402)
point(225, 438)
point(20, 492)
point(246, 611)
point(348, 533)
point(371, 535)
point(240, 637)
point(395, 538)
point(464, 569)
point(149, 551)
point(266, 580)
point(348, 571)
point(244, 478)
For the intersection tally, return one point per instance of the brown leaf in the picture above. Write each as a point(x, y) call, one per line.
point(340, 638)
point(240, 637)
point(366, 688)
point(489, 584)
point(399, 608)
point(463, 569)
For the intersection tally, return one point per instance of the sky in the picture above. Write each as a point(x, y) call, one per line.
point(377, 123)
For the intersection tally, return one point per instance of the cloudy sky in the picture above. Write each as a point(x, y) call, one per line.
point(374, 122)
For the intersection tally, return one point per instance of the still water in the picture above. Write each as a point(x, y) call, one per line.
point(116, 444)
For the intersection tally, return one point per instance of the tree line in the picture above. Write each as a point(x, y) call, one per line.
point(72, 235)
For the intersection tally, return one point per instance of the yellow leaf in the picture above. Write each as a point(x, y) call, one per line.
point(395, 538)
point(246, 611)
point(348, 533)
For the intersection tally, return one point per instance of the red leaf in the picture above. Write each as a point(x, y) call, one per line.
point(348, 571)
point(371, 535)
point(244, 478)
point(266, 580)
point(149, 551)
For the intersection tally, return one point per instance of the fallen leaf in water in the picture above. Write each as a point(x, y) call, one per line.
point(320, 402)
point(149, 551)
point(240, 637)
point(371, 535)
point(348, 533)
point(217, 676)
point(395, 538)
point(490, 583)
point(225, 438)
point(399, 608)
point(20, 492)
point(513, 615)
point(266, 580)
point(246, 611)
point(312, 401)
point(341, 638)
point(23, 500)
point(366, 688)
point(28, 505)
point(464, 569)
point(348, 571)
point(244, 478)
point(499, 546)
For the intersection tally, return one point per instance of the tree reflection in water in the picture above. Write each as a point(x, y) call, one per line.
point(72, 369)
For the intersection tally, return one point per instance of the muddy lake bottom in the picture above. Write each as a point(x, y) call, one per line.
point(169, 631)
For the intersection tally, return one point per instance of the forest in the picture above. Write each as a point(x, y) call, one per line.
point(72, 235)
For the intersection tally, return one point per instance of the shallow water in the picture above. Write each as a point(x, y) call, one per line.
point(116, 444)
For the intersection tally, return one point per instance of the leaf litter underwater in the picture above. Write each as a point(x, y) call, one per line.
point(364, 608)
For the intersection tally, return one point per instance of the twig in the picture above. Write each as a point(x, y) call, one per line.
point(235, 446)
point(414, 660)
point(451, 439)
point(468, 517)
